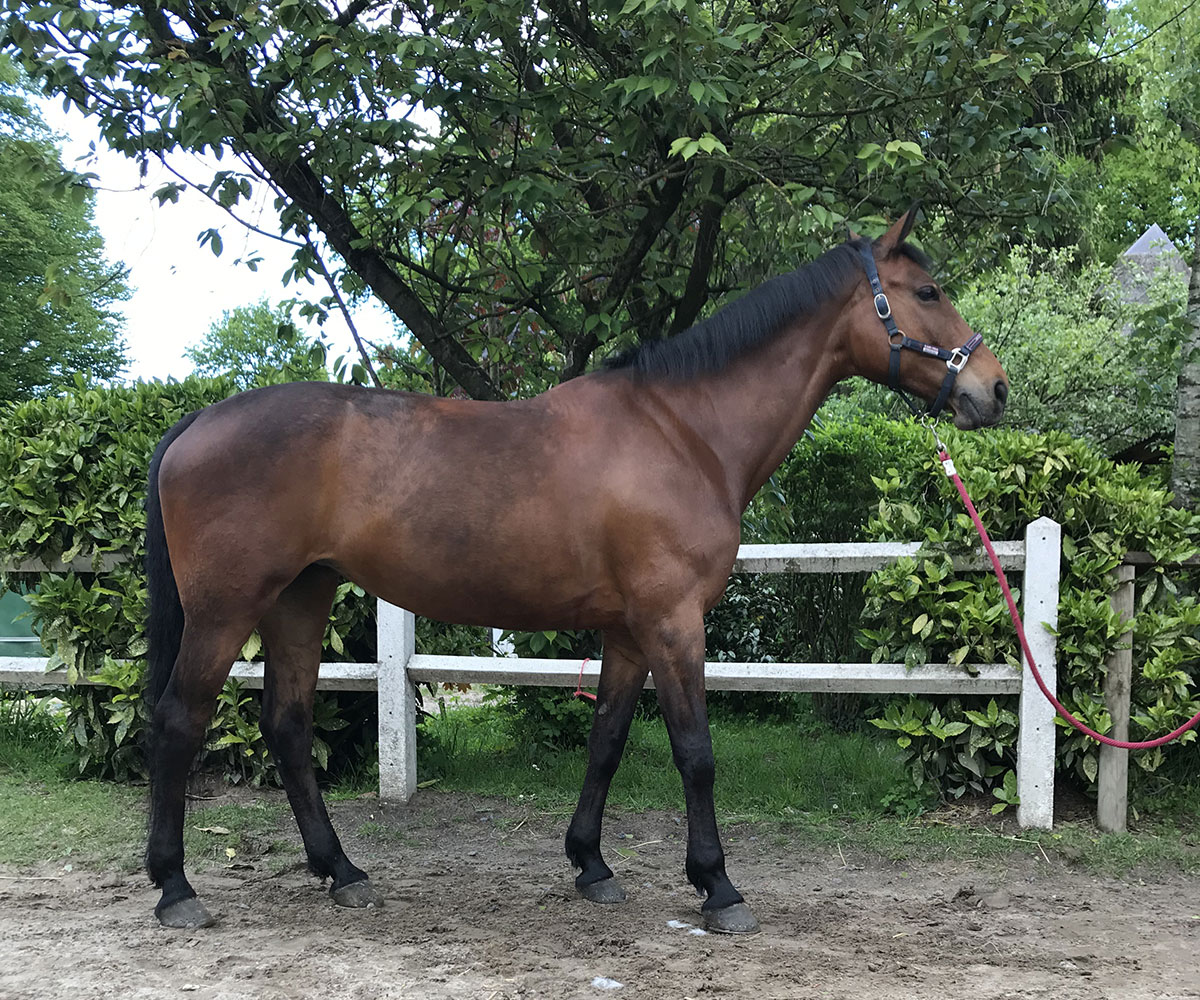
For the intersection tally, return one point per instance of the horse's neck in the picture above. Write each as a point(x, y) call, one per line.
point(753, 412)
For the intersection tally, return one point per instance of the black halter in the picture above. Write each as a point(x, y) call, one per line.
point(956, 360)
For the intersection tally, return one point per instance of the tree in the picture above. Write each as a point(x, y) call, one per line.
point(1163, 70)
point(56, 289)
point(598, 172)
point(1082, 359)
point(258, 345)
point(1149, 171)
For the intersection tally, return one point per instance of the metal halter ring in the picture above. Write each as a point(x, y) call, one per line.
point(958, 360)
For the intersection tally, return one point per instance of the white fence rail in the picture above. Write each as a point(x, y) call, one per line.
point(400, 667)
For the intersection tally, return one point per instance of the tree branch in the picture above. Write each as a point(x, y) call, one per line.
point(301, 184)
point(652, 223)
point(695, 292)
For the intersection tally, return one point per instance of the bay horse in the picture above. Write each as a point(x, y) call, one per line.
point(612, 501)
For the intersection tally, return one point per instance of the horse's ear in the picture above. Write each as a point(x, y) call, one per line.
point(900, 230)
point(851, 234)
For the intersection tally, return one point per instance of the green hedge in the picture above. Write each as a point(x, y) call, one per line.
point(882, 477)
point(72, 474)
point(73, 481)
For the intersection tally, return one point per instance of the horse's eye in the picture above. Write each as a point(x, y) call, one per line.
point(927, 293)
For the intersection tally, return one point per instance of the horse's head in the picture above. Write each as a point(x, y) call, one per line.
point(905, 333)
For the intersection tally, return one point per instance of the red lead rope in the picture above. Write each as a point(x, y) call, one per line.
point(948, 465)
point(579, 691)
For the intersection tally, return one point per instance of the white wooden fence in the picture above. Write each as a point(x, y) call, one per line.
point(400, 667)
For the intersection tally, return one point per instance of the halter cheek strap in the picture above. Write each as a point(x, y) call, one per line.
point(955, 360)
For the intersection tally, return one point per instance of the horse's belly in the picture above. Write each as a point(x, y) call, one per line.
point(517, 590)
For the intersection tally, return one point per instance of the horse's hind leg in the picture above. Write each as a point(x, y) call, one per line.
point(292, 631)
point(181, 716)
point(621, 681)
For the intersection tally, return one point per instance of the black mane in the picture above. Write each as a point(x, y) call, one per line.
point(744, 324)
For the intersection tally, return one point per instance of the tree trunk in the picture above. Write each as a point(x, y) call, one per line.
point(1185, 473)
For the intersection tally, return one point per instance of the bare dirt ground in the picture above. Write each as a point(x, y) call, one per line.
point(480, 904)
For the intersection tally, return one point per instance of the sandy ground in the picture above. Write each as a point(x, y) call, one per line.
point(480, 904)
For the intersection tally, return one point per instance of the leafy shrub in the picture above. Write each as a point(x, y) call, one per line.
point(822, 492)
point(72, 471)
point(877, 479)
point(955, 755)
point(548, 717)
point(72, 481)
point(108, 723)
point(918, 610)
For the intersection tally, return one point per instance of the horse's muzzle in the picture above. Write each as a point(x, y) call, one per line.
point(974, 406)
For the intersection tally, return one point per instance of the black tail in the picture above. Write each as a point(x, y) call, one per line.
point(164, 627)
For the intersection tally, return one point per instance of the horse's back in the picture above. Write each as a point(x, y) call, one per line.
point(518, 513)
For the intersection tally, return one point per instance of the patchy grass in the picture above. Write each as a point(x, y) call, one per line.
point(763, 769)
point(805, 791)
point(973, 836)
point(824, 788)
point(232, 833)
point(45, 817)
point(49, 818)
point(69, 822)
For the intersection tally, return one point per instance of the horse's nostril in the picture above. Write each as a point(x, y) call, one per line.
point(1001, 390)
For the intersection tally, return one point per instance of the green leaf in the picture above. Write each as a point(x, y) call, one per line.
point(252, 646)
point(709, 143)
point(323, 57)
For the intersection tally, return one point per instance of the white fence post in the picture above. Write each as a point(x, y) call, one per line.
point(396, 641)
point(1036, 736)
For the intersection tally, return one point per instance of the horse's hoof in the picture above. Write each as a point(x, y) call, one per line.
point(186, 914)
point(735, 919)
point(357, 894)
point(607, 890)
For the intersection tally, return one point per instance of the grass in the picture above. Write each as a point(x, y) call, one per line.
point(48, 817)
point(804, 788)
point(814, 786)
point(44, 815)
point(763, 769)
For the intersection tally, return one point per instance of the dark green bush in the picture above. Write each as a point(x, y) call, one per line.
point(72, 473)
point(548, 717)
point(72, 482)
point(919, 610)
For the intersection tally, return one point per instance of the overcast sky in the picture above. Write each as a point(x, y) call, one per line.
point(180, 288)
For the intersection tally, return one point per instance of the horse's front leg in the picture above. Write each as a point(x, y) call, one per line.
point(621, 680)
point(675, 648)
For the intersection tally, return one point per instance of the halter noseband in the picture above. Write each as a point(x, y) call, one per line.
point(956, 360)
